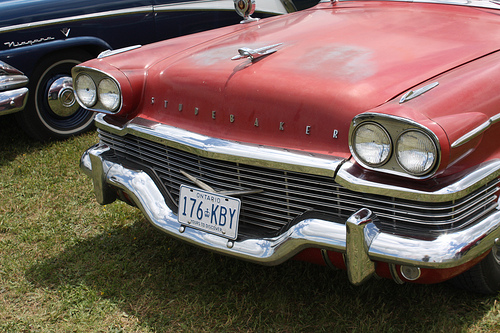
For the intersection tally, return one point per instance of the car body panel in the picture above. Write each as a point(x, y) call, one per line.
point(214, 110)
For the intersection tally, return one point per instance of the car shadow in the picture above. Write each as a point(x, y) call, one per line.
point(162, 282)
point(14, 141)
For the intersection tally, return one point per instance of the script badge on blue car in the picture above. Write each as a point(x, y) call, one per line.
point(211, 212)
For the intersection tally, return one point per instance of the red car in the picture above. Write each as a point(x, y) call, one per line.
point(357, 134)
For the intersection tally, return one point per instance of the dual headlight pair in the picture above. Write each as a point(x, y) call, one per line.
point(396, 147)
point(99, 93)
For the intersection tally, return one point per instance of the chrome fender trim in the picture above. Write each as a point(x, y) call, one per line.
point(444, 251)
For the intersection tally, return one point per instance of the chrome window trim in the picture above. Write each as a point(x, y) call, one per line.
point(298, 161)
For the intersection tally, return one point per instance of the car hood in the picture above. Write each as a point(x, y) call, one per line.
point(332, 64)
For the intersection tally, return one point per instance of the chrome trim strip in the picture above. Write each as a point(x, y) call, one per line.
point(201, 145)
point(445, 251)
point(464, 186)
point(276, 7)
point(12, 101)
point(190, 5)
point(125, 11)
point(476, 131)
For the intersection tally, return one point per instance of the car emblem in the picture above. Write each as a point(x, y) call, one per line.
point(208, 188)
point(252, 54)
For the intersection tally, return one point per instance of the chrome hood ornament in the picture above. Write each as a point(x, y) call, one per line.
point(252, 54)
point(245, 8)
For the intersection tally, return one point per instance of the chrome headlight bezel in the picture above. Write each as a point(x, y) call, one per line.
point(375, 153)
point(101, 103)
point(396, 128)
point(428, 156)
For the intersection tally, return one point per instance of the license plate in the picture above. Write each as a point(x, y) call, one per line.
point(210, 212)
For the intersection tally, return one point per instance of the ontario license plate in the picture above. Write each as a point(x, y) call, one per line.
point(210, 212)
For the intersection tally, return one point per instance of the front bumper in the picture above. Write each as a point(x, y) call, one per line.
point(12, 101)
point(359, 239)
point(13, 93)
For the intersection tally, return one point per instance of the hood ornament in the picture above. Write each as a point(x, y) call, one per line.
point(252, 54)
point(245, 8)
point(415, 93)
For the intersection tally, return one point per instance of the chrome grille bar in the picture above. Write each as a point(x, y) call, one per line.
point(288, 195)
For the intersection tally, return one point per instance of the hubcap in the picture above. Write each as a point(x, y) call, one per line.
point(61, 97)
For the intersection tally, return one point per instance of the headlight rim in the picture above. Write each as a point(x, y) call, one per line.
point(358, 156)
point(119, 95)
point(96, 76)
point(432, 141)
point(395, 125)
point(79, 99)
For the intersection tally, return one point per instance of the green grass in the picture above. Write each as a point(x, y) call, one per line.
point(68, 264)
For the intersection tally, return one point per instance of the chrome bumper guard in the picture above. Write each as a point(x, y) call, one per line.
point(359, 239)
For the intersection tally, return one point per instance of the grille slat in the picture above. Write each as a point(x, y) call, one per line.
point(288, 195)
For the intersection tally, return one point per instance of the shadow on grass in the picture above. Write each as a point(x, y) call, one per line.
point(169, 285)
point(14, 141)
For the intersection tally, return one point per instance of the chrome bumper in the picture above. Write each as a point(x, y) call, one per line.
point(361, 241)
point(12, 101)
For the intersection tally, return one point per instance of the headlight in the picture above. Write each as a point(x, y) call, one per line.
point(109, 94)
point(86, 90)
point(416, 152)
point(371, 144)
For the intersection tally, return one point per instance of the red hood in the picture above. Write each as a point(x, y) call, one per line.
point(334, 62)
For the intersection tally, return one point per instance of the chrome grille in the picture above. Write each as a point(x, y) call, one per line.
point(290, 196)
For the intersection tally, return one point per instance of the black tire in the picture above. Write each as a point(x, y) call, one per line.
point(484, 277)
point(52, 111)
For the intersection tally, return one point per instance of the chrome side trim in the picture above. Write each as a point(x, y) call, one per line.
point(191, 5)
point(476, 131)
point(276, 7)
point(445, 251)
point(125, 11)
point(201, 145)
point(12, 101)
point(466, 185)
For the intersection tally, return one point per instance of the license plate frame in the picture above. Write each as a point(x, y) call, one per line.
point(210, 212)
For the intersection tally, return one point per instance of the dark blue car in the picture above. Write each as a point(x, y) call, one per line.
point(41, 40)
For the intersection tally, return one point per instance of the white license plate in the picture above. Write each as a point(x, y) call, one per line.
point(210, 212)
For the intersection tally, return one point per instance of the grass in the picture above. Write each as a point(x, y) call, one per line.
point(68, 264)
